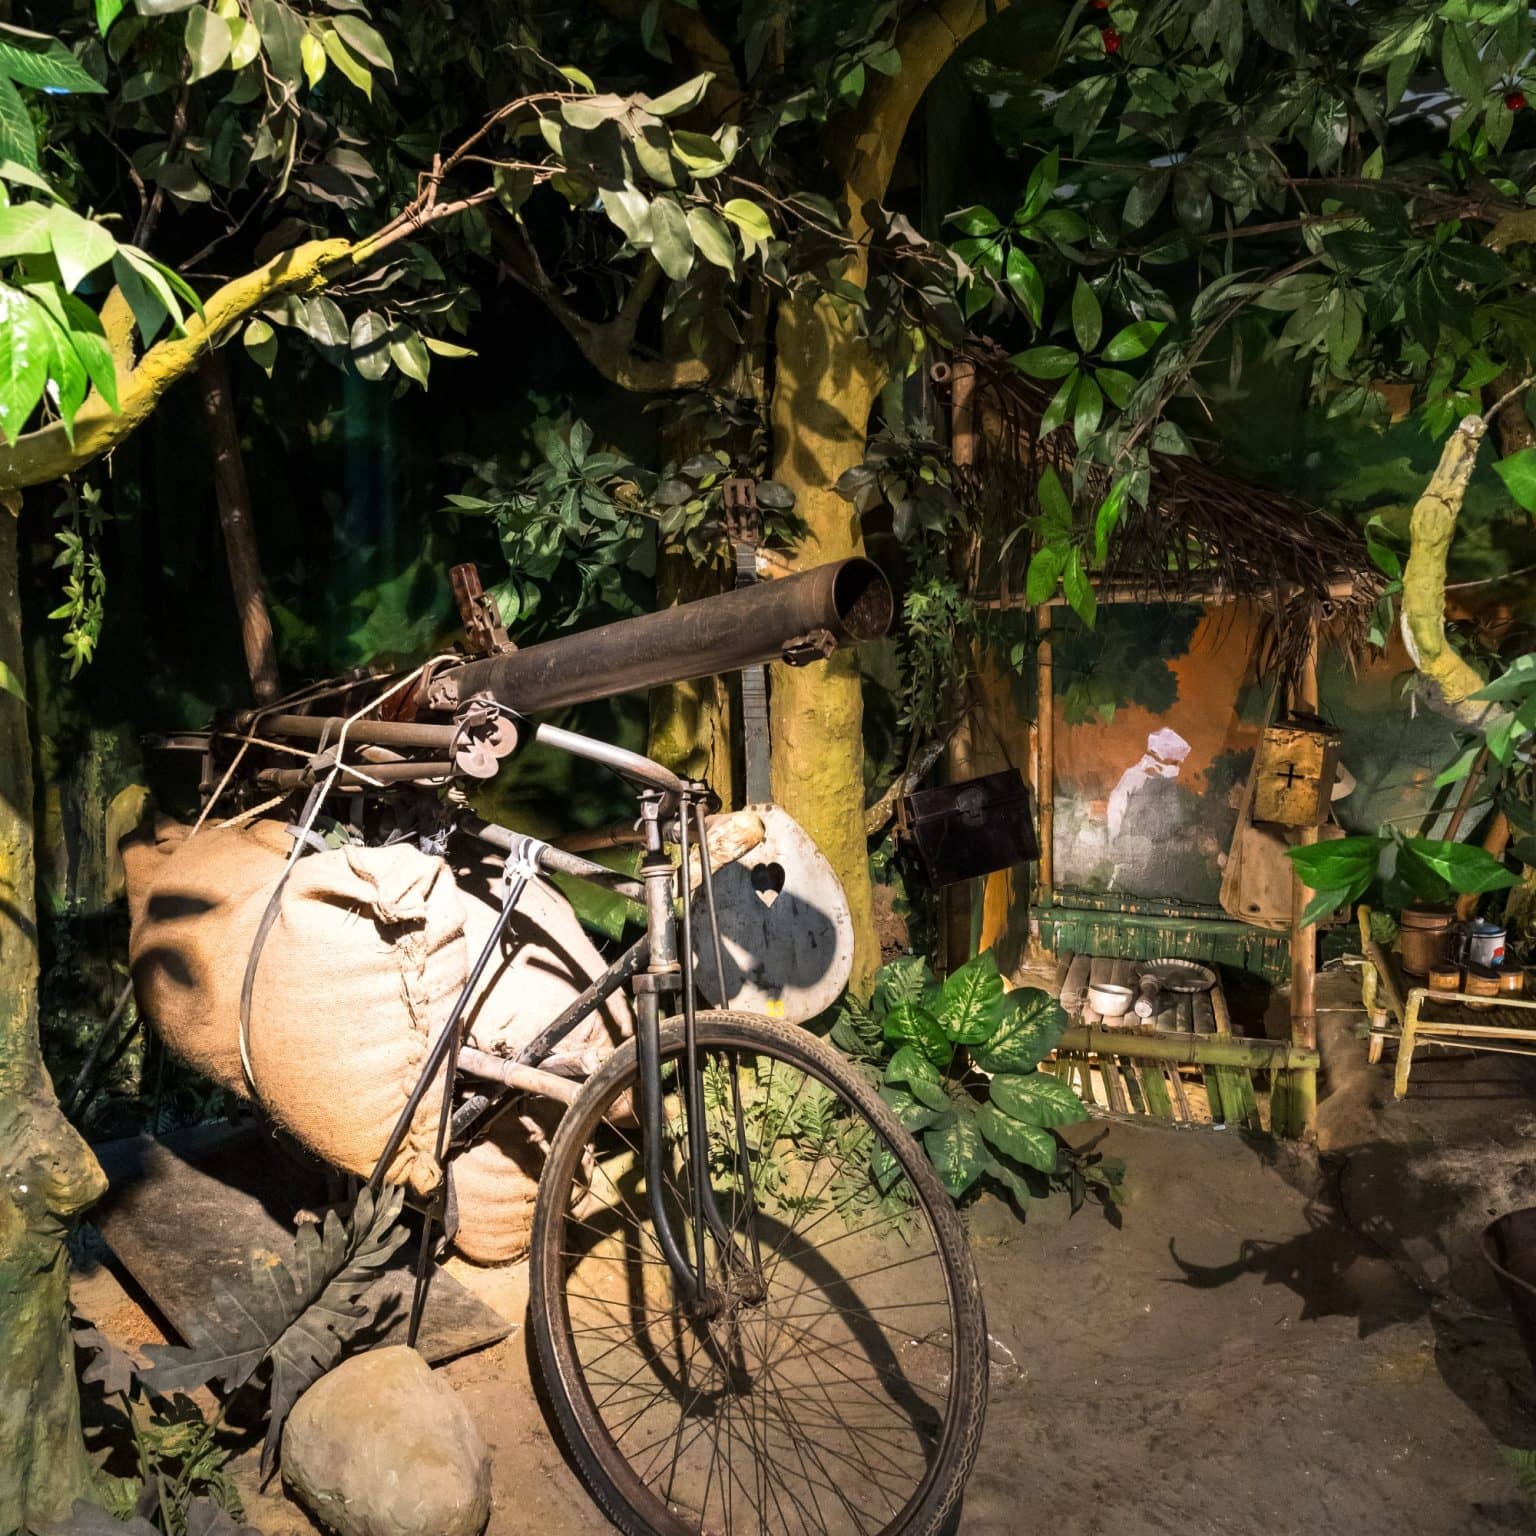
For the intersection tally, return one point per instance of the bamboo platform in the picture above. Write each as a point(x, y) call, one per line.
point(1186, 1064)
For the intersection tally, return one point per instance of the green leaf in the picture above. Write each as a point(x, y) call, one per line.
point(24, 230)
point(439, 347)
point(369, 341)
point(910, 1066)
point(1037, 190)
point(1346, 864)
point(914, 1116)
point(312, 56)
point(1037, 1099)
point(712, 238)
point(1134, 341)
point(1464, 867)
point(1513, 683)
point(704, 156)
point(1459, 769)
point(208, 41)
point(281, 34)
point(957, 1154)
point(1028, 1144)
point(409, 354)
point(970, 1001)
point(362, 40)
point(10, 683)
point(907, 980)
point(26, 351)
point(671, 242)
point(1061, 402)
point(1087, 316)
point(53, 68)
point(1077, 588)
point(1108, 517)
point(344, 60)
point(107, 11)
point(1050, 362)
point(83, 327)
point(80, 245)
point(975, 221)
point(1054, 506)
point(681, 98)
point(18, 139)
point(1087, 411)
point(1116, 384)
point(66, 372)
point(325, 323)
point(1031, 1024)
point(1322, 903)
point(23, 177)
point(1461, 63)
point(752, 222)
point(1045, 568)
point(261, 343)
point(911, 1023)
point(1518, 472)
point(1025, 283)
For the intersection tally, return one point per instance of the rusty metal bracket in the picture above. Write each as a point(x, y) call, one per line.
point(484, 633)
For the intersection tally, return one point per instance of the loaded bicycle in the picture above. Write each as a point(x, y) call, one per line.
point(752, 1302)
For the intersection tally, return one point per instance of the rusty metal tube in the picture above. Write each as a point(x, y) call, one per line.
point(405, 735)
point(844, 602)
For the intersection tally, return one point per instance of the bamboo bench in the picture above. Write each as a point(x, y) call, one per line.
point(1503, 1027)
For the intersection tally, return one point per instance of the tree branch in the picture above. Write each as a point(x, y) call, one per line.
point(38, 457)
point(863, 152)
point(609, 345)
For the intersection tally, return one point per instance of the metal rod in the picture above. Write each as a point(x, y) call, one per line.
point(384, 773)
point(633, 765)
point(555, 859)
point(849, 600)
point(512, 1075)
point(379, 733)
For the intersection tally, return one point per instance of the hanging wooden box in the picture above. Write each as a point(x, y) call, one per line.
point(1293, 777)
point(972, 828)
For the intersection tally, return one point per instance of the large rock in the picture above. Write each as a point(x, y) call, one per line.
point(382, 1447)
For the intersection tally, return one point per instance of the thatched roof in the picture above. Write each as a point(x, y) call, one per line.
point(1205, 534)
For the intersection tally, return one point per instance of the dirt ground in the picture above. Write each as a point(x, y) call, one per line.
point(1271, 1341)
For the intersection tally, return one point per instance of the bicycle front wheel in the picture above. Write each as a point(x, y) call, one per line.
point(835, 1380)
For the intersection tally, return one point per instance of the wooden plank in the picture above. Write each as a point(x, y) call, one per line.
point(1110, 1073)
point(1063, 968)
point(1219, 1010)
point(1176, 1079)
point(1184, 1007)
point(1076, 984)
point(1133, 1089)
point(1125, 973)
point(189, 1209)
point(1214, 1097)
point(1100, 971)
point(1204, 1015)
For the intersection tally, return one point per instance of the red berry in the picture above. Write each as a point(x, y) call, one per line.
point(1111, 40)
point(1101, 5)
point(1515, 100)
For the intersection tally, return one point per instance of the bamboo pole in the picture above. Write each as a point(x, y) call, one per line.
point(1045, 770)
point(1299, 1100)
point(1212, 594)
point(1191, 1050)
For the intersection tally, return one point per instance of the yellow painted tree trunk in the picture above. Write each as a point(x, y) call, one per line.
point(47, 1173)
point(825, 386)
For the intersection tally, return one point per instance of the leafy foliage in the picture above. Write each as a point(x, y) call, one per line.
point(958, 1065)
point(298, 1316)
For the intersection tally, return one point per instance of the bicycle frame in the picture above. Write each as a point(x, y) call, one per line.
point(653, 967)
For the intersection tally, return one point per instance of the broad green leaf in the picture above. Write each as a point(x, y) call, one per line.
point(1012, 1181)
point(1028, 1144)
point(366, 43)
point(1518, 472)
point(1037, 1099)
point(150, 312)
point(1037, 190)
point(681, 98)
point(80, 245)
point(975, 221)
point(1049, 362)
point(957, 1154)
point(1337, 864)
point(1025, 283)
point(438, 347)
point(970, 1000)
point(244, 42)
point(26, 352)
point(1134, 341)
point(325, 323)
point(1321, 904)
point(11, 684)
point(23, 176)
point(1459, 769)
point(260, 341)
point(712, 238)
point(701, 154)
point(750, 220)
point(24, 230)
point(80, 323)
point(630, 211)
point(578, 77)
point(1108, 517)
point(671, 243)
point(281, 35)
point(344, 60)
point(18, 139)
point(1465, 867)
point(1060, 404)
point(1045, 568)
point(1116, 384)
point(513, 186)
point(589, 112)
point(312, 55)
point(52, 68)
point(911, 1023)
point(1087, 410)
point(67, 379)
point(208, 42)
point(910, 1066)
point(1054, 506)
point(907, 980)
point(1087, 316)
point(1031, 1025)
point(409, 354)
point(1513, 683)
point(369, 340)
point(913, 1115)
point(1077, 588)
point(107, 11)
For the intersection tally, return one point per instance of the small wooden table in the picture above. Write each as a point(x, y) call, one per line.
point(1468, 1023)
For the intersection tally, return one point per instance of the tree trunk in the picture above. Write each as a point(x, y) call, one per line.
point(825, 385)
point(47, 1173)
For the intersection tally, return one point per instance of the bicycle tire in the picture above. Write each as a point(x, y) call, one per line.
point(628, 1500)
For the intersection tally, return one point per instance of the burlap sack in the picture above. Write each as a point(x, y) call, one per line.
point(357, 976)
point(192, 927)
point(549, 960)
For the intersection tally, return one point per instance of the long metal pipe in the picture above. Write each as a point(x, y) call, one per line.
point(849, 600)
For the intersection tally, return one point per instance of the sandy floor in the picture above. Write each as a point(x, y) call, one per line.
point(1269, 1343)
